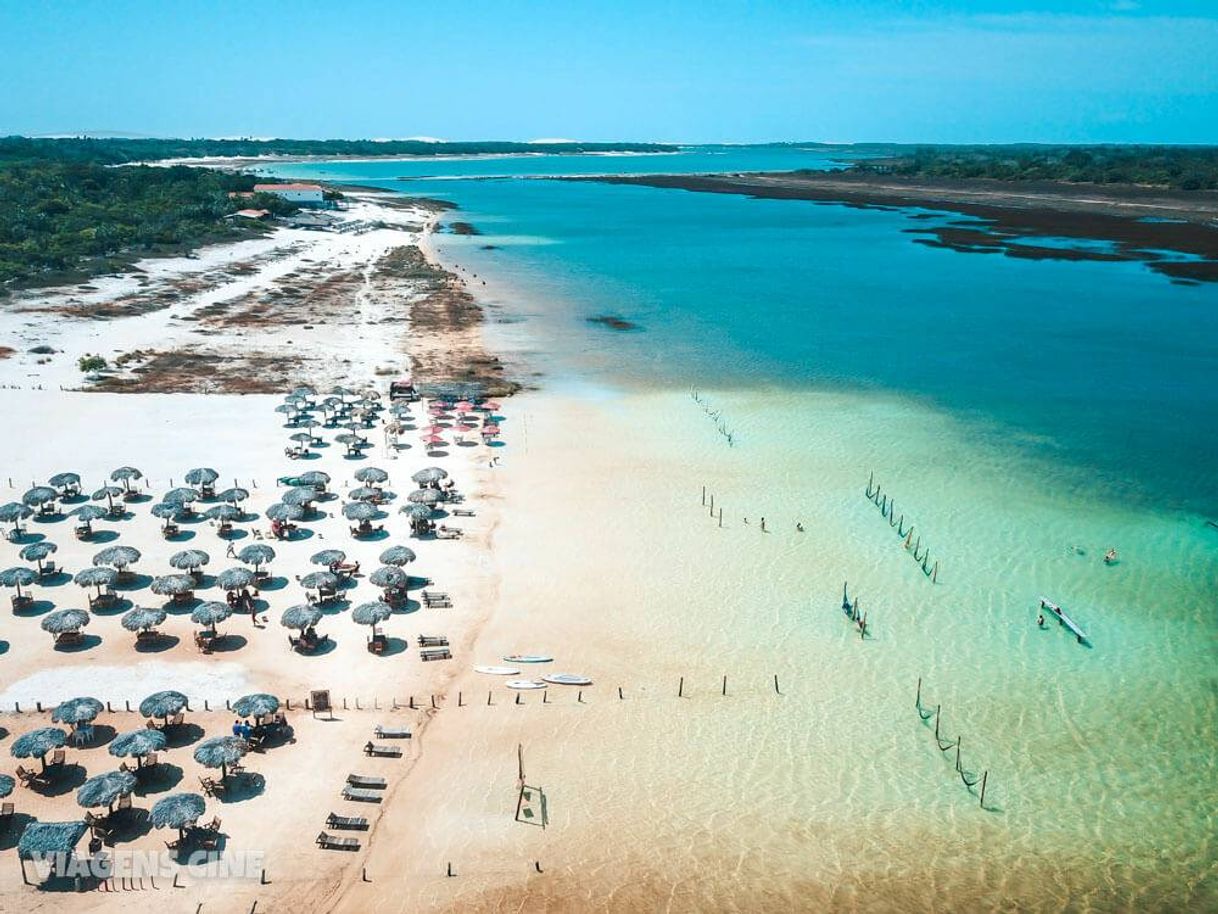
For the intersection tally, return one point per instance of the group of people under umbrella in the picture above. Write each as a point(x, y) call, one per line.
point(111, 791)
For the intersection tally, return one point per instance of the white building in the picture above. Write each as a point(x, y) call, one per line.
point(304, 194)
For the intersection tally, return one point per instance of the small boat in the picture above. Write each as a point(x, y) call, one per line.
point(528, 658)
point(525, 684)
point(497, 670)
point(567, 679)
point(1064, 619)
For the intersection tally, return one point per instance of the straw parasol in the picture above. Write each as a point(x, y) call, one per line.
point(299, 495)
point(89, 513)
point(315, 580)
point(388, 577)
point(281, 512)
point(37, 743)
point(142, 618)
point(397, 555)
point(367, 493)
point(210, 614)
point(105, 789)
point(137, 744)
point(256, 554)
point(18, 576)
point(65, 481)
point(417, 512)
point(201, 476)
point(166, 511)
point(371, 614)
point(371, 475)
point(429, 475)
point(234, 495)
point(169, 585)
point(36, 552)
point(429, 497)
point(49, 840)
point(223, 512)
point(360, 510)
point(163, 704)
point(39, 495)
point(98, 576)
point(235, 578)
point(125, 475)
point(180, 496)
point(118, 557)
point(77, 711)
point(109, 493)
point(314, 478)
point(300, 437)
point(220, 752)
point(65, 620)
point(14, 513)
point(328, 557)
point(178, 810)
point(189, 559)
point(257, 705)
point(300, 616)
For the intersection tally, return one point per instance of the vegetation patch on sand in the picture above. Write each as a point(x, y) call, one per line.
point(207, 371)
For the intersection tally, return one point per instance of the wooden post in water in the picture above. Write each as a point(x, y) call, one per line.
point(776, 689)
point(984, 775)
point(720, 517)
point(712, 503)
point(681, 687)
point(863, 627)
point(918, 697)
point(724, 683)
point(937, 708)
point(704, 496)
point(957, 754)
point(934, 575)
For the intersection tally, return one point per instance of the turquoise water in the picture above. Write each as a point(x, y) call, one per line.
point(1104, 367)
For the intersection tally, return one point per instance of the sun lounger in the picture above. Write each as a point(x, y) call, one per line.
point(332, 842)
point(57, 758)
point(124, 802)
point(380, 749)
point(209, 786)
point(462, 512)
point(435, 600)
point(177, 719)
point(433, 641)
point(28, 777)
point(435, 653)
point(361, 794)
point(392, 732)
point(147, 636)
point(169, 531)
point(352, 823)
point(70, 638)
point(364, 780)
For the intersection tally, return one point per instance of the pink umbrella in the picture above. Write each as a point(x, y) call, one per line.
point(490, 430)
point(464, 405)
point(433, 439)
point(489, 405)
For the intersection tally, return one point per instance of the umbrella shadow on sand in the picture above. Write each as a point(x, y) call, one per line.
point(86, 643)
point(102, 734)
point(163, 643)
point(394, 646)
point(103, 536)
point(242, 787)
point(182, 735)
point(4, 646)
point(129, 824)
point(228, 643)
point(16, 825)
point(36, 608)
point(181, 536)
point(134, 582)
point(276, 583)
point(58, 579)
point(159, 778)
point(65, 780)
point(26, 537)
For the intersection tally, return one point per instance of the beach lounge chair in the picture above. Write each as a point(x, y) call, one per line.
point(57, 758)
point(361, 794)
point(124, 802)
point(433, 641)
point(48, 569)
point(380, 749)
point(462, 512)
point(352, 823)
point(177, 720)
point(28, 777)
point(150, 761)
point(67, 639)
point(169, 531)
point(84, 532)
point(392, 732)
point(6, 815)
point(364, 780)
point(209, 786)
point(23, 602)
point(435, 653)
point(332, 842)
point(147, 636)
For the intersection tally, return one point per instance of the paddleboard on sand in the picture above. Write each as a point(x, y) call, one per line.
point(527, 658)
point(497, 670)
point(523, 684)
point(567, 679)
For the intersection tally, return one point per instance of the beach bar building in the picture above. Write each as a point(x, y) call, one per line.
point(302, 194)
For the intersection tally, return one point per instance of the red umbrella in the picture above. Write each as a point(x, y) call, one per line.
point(489, 406)
point(433, 439)
point(464, 405)
point(490, 430)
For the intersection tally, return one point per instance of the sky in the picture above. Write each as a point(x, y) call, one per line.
point(963, 71)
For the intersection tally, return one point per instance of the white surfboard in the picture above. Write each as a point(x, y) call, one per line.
point(497, 670)
point(528, 658)
point(523, 684)
point(567, 679)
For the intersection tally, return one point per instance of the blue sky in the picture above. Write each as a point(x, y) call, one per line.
point(685, 70)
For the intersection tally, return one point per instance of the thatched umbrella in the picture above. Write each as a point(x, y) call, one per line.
point(77, 711)
point(87, 514)
point(98, 576)
point(210, 614)
point(189, 560)
point(67, 483)
point(302, 496)
point(37, 743)
point(183, 495)
point(360, 510)
point(398, 556)
point(220, 752)
point(300, 616)
point(301, 437)
point(125, 475)
point(371, 614)
point(314, 478)
point(328, 557)
point(163, 704)
point(371, 475)
point(49, 841)
point(109, 493)
point(137, 744)
point(117, 557)
point(166, 512)
point(281, 512)
point(171, 585)
point(39, 495)
point(64, 620)
point(142, 618)
point(257, 706)
point(388, 577)
point(256, 554)
point(36, 552)
point(366, 493)
point(201, 476)
point(105, 789)
point(429, 497)
point(14, 513)
point(430, 476)
point(235, 578)
point(349, 439)
point(317, 580)
point(178, 810)
point(234, 495)
point(224, 512)
point(18, 576)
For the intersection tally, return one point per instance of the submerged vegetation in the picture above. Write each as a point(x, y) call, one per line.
point(1175, 167)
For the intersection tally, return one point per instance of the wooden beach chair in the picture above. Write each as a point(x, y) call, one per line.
point(367, 781)
point(361, 794)
point(57, 758)
point(392, 732)
point(209, 786)
point(28, 777)
point(381, 750)
point(150, 761)
point(332, 842)
point(177, 720)
point(6, 815)
point(433, 641)
point(124, 802)
point(351, 823)
point(435, 653)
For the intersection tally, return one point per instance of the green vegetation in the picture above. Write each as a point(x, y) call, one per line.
point(1174, 167)
point(91, 363)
